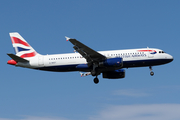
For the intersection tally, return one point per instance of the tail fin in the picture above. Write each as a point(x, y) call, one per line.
point(22, 48)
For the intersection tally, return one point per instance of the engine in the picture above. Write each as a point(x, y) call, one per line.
point(111, 62)
point(114, 74)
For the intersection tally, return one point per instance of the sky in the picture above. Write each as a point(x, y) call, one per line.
point(27, 94)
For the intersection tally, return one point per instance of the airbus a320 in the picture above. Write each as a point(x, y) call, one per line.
point(87, 61)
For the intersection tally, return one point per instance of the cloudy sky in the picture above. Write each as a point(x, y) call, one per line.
point(27, 94)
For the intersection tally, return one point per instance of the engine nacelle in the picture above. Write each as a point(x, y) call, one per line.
point(111, 62)
point(114, 74)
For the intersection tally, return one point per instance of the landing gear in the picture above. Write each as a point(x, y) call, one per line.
point(151, 73)
point(95, 72)
point(96, 80)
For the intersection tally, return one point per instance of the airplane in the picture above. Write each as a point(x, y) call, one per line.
point(110, 63)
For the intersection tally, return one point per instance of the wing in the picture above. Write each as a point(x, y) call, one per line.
point(89, 54)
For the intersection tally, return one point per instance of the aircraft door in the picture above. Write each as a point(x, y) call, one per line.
point(41, 61)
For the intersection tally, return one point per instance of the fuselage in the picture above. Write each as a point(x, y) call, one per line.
point(109, 63)
point(69, 62)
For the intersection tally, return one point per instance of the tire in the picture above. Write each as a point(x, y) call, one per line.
point(96, 80)
point(151, 73)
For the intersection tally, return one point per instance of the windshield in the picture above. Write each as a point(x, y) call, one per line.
point(161, 52)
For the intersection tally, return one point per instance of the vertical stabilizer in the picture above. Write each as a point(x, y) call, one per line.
point(22, 48)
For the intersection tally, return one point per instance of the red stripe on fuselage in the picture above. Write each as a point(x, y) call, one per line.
point(17, 40)
point(28, 55)
point(146, 50)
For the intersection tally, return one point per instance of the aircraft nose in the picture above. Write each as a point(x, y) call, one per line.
point(170, 58)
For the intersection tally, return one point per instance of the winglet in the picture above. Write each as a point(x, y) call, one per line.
point(67, 38)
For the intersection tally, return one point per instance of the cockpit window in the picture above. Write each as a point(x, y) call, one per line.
point(161, 52)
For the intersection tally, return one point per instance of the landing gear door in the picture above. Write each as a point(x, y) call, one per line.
point(41, 61)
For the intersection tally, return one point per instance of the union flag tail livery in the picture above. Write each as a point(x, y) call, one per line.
point(110, 63)
point(21, 47)
point(25, 54)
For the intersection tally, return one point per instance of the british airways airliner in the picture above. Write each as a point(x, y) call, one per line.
point(87, 60)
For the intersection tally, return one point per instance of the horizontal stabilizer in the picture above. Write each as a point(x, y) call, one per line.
point(17, 58)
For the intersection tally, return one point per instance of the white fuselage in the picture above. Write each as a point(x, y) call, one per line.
point(109, 63)
point(68, 62)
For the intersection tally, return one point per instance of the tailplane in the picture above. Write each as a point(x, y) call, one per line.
point(21, 47)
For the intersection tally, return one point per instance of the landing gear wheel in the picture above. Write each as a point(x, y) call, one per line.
point(151, 73)
point(96, 80)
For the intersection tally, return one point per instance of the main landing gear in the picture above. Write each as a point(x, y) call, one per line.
point(96, 80)
point(151, 73)
point(94, 72)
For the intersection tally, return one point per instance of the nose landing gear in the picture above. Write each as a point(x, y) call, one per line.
point(151, 73)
